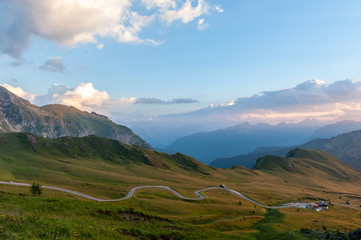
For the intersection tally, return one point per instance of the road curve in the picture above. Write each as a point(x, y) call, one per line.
point(133, 190)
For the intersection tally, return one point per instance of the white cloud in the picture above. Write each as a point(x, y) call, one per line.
point(84, 97)
point(100, 46)
point(201, 24)
point(218, 8)
point(187, 12)
point(19, 92)
point(73, 22)
point(162, 4)
point(162, 102)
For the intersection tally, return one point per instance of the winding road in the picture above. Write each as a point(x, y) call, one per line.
point(198, 193)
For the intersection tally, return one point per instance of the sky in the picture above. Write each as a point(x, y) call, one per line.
point(224, 60)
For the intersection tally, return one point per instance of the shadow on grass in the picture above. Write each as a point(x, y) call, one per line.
point(266, 227)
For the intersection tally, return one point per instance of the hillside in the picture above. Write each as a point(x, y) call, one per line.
point(93, 163)
point(249, 159)
point(52, 121)
point(24, 155)
point(108, 169)
point(308, 163)
point(241, 139)
point(346, 147)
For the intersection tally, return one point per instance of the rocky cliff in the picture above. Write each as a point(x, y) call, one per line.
point(53, 121)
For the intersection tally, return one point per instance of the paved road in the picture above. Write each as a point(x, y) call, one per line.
point(198, 193)
point(345, 205)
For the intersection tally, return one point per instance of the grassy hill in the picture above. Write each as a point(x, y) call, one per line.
point(52, 121)
point(309, 163)
point(108, 169)
point(93, 160)
point(346, 147)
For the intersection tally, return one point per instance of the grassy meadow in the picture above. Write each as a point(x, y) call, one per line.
point(107, 169)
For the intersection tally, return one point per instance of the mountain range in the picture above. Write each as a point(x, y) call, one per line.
point(55, 120)
point(346, 147)
point(242, 138)
point(332, 130)
point(99, 161)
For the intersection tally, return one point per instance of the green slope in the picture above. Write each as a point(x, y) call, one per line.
point(59, 218)
point(108, 169)
point(346, 147)
point(95, 160)
point(309, 163)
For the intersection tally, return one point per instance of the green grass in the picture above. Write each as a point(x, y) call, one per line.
point(107, 169)
point(59, 218)
point(267, 231)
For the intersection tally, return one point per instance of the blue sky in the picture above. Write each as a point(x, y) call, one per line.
point(242, 48)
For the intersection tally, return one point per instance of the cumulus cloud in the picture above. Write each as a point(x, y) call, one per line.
point(84, 96)
point(73, 22)
point(159, 101)
point(87, 98)
point(55, 90)
point(53, 65)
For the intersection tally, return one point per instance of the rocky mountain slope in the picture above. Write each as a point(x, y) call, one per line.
point(52, 121)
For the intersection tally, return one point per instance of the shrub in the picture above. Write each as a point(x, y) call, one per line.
point(35, 189)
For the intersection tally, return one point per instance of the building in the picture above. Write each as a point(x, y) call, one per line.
point(319, 206)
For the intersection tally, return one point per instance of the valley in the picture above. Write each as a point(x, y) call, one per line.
point(345, 146)
point(180, 120)
point(107, 169)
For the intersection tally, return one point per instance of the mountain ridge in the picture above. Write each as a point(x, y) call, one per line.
point(346, 147)
point(241, 138)
point(94, 147)
point(56, 120)
point(308, 162)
